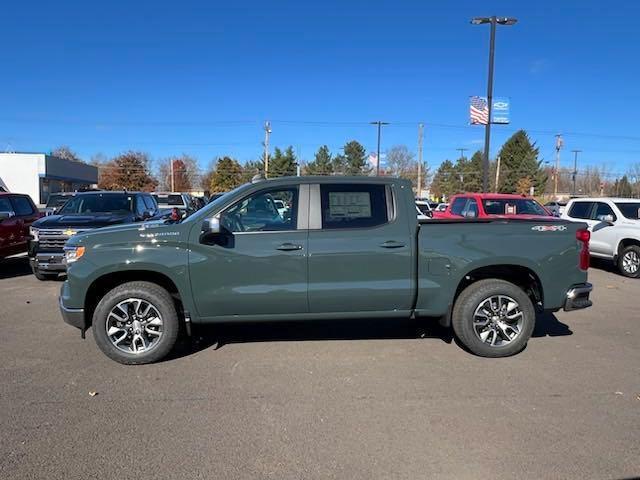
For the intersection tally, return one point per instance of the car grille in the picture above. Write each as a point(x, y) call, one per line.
point(54, 240)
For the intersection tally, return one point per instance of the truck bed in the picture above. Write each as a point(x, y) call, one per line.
point(451, 249)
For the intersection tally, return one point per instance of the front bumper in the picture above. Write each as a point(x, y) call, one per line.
point(578, 297)
point(48, 262)
point(73, 316)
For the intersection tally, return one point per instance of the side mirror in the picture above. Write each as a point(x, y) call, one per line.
point(470, 214)
point(429, 213)
point(606, 218)
point(7, 214)
point(147, 214)
point(211, 226)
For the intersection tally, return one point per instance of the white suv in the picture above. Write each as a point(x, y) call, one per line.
point(615, 229)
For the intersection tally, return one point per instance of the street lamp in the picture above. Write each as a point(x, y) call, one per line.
point(487, 131)
point(379, 124)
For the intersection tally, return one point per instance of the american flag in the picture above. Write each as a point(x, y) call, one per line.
point(479, 111)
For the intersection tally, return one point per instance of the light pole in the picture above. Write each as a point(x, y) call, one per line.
point(487, 130)
point(379, 124)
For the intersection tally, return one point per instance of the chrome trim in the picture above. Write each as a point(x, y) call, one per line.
point(578, 297)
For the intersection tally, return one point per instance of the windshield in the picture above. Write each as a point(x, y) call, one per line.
point(56, 200)
point(170, 200)
point(103, 203)
point(513, 206)
point(630, 210)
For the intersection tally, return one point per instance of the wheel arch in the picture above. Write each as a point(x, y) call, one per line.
point(523, 277)
point(625, 242)
point(103, 284)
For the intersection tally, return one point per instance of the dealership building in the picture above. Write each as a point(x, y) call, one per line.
point(39, 174)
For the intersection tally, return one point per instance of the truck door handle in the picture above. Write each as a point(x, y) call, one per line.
point(392, 244)
point(287, 247)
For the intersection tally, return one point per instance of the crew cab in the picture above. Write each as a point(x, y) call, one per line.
point(348, 247)
point(615, 229)
point(83, 211)
point(486, 205)
point(17, 214)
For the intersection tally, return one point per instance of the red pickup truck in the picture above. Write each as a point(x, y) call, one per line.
point(491, 205)
point(17, 213)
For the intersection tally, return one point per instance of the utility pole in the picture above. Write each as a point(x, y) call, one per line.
point(267, 133)
point(559, 145)
point(172, 181)
point(379, 124)
point(575, 168)
point(497, 173)
point(420, 133)
point(462, 150)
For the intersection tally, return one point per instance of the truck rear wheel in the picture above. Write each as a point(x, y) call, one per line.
point(136, 323)
point(629, 261)
point(493, 318)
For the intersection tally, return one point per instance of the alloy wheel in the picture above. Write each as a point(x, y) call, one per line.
point(134, 326)
point(498, 320)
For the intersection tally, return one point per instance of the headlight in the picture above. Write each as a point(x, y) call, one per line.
point(71, 254)
point(34, 233)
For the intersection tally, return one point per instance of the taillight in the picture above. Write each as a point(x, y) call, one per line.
point(583, 236)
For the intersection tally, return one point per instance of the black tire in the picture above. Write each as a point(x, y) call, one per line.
point(44, 276)
point(151, 293)
point(471, 298)
point(631, 249)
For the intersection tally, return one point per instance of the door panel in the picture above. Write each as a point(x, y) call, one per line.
point(359, 269)
point(252, 275)
point(602, 234)
point(257, 265)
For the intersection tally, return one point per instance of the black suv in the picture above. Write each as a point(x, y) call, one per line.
point(82, 212)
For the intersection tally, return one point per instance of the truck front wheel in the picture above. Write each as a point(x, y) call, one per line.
point(493, 318)
point(136, 323)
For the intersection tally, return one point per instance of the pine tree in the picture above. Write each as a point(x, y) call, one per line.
point(282, 164)
point(226, 176)
point(322, 163)
point(472, 173)
point(355, 159)
point(519, 160)
point(444, 183)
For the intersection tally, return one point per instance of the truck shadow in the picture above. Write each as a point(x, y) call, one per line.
point(218, 336)
point(14, 267)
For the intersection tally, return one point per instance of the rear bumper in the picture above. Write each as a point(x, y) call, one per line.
point(578, 297)
point(73, 316)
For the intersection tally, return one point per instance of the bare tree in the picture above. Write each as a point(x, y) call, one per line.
point(63, 151)
point(186, 173)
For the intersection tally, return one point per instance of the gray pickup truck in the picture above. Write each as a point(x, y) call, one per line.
point(340, 248)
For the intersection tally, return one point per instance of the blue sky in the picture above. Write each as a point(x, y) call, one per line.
point(201, 77)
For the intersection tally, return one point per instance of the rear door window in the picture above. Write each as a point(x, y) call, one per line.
point(353, 206)
point(601, 210)
point(458, 205)
point(581, 210)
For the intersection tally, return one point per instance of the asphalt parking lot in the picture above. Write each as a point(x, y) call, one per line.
point(343, 400)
